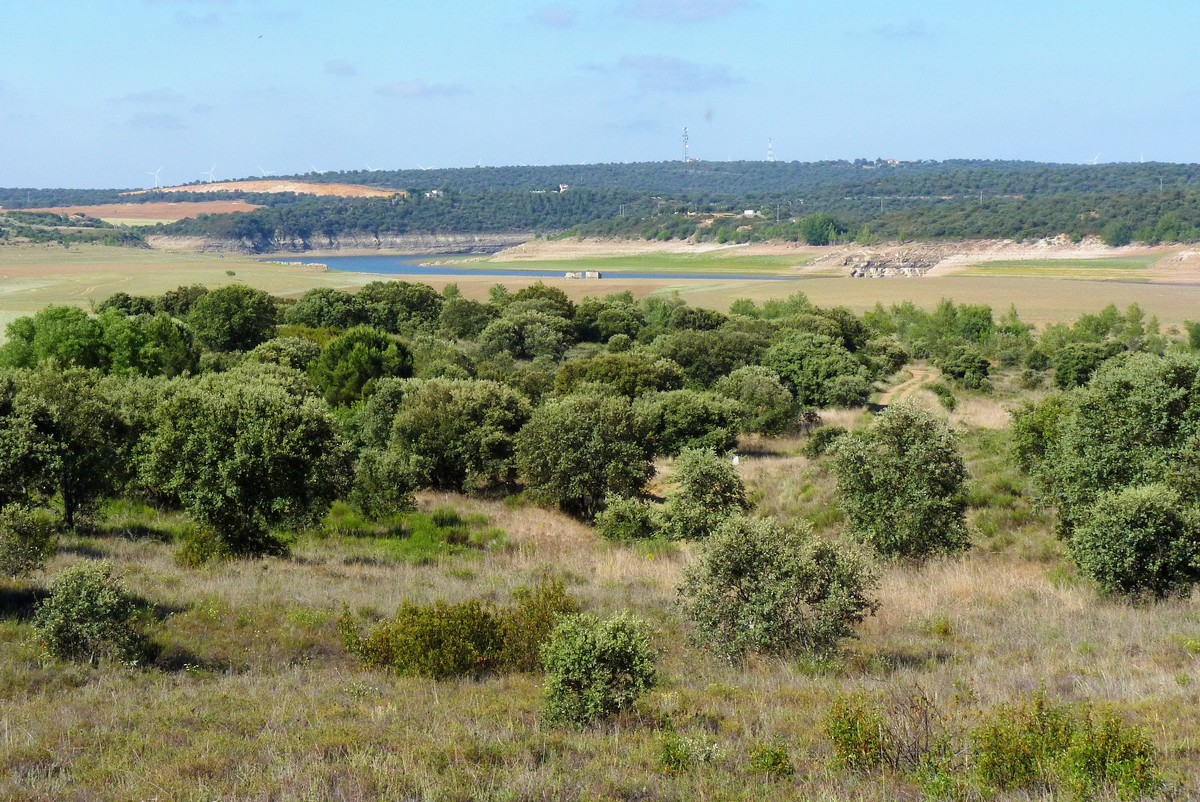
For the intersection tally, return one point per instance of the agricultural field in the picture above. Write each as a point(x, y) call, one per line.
point(148, 214)
point(275, 186)
point(1128, 268)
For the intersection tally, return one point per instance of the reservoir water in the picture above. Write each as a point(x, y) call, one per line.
point(412, 266)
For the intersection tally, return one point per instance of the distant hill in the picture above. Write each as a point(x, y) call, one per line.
point(817, 202)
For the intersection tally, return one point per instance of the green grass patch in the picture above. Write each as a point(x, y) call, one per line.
point(413, 538)
point(1111, 267)
point(724, 262)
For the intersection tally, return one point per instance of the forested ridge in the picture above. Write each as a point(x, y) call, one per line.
point(815, 203)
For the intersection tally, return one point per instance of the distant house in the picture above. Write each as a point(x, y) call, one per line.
point(563, 188)
point(749, 213)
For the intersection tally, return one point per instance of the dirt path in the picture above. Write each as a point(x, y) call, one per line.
point(920, 375)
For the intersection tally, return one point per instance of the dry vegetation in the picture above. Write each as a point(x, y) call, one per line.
point(277, 185)
point(254, 696)
point(165, 212)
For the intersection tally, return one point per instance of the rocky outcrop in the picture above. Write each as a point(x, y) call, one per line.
point(909, 263)
point(405, 243)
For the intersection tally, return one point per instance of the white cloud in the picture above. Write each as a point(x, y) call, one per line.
point(669, 74)
point(160, 95)
point(421, 90)
point(685, 10)
point(341, 68)
point(554, 16)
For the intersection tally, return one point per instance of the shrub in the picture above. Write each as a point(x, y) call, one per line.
point(26, 539)
point(595, 669)
point(1017, 745)
point(90, 616)
point(860, 738)
point(902, 483)
point(944, 394)
point(384, 482)
point(772, 759)
point(759, 586)
point(1139, 541)
point(200, 545)
point(1107, 753)
point(821, 440)
point(768, 406)
point(580, 450)
point(682, 419)
point(966, 366)
point(710, 490)
point(469, 638)
point(527, 623)
point(439, 641)
point(678, 752)
point(626, 519)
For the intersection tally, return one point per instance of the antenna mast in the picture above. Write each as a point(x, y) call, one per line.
point(685, 145)
point(770, 150)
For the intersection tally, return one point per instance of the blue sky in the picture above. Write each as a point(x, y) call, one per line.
point(97, 93)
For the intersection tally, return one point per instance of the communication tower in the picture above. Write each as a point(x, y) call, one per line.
point(770, 150)
point(685, 145)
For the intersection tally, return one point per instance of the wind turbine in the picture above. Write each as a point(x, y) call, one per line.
point(370, 169)
point(316, 169)
point(1096, 159)
point(211, 177)
point(155, 174)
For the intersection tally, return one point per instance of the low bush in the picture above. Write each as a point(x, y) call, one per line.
point(200, 545)
point(439, 641)
point(944, 394)
point(821, 439)
point(626, 519)
point(761, 587)
point(26, 539)
point(709, 491)
point(595, 669)
point(678, 752)
point(384, 481)
point(1139, 542)
point(772, 759)
point(526, 624)
point(1033, 746)
point(1017, 745)
point(860, 738)
point(90, 616)
point(470, 638)
point(1038, 744)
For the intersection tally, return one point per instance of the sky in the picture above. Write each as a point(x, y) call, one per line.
point(101, 93)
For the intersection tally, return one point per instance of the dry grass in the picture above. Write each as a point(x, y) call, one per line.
point(256, 699)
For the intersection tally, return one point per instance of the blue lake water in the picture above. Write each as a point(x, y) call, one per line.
point(412, 266)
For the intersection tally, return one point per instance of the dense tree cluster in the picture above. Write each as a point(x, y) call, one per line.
point(1117, 456)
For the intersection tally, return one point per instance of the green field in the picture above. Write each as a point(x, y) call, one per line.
point(710, 262)
point(1115, 267)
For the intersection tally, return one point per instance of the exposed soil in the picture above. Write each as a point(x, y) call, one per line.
point(153, 211)
point(920, 374)
point(278, 186)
